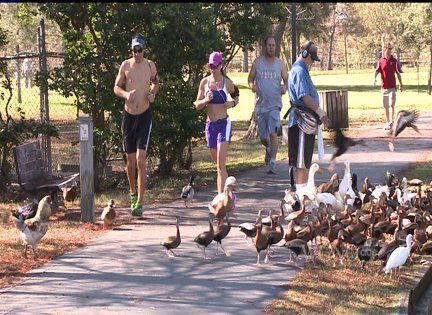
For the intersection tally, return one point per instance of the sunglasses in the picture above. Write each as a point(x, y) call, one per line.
point(212, 66)
point(137, 50)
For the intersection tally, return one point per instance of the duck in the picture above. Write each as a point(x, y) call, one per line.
point(172, 242)
point(298, 216)
point(249, 230)
point(188, 192)
point(398, 257)
point(309, 190)
point(32, 230)
point(225, 201)
point(108, 215)
point(220, 232)
point(70, 192)
point(298, 247)
point(345, 184)
point(342, 144)
point(338, 248)
point(275, 236)
point(404, 118)
point(331, 186)
point(261, 242)
point(205, 238)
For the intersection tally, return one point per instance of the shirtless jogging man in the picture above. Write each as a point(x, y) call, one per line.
point(142, 84)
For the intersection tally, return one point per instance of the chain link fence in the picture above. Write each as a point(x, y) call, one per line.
point(41, 104)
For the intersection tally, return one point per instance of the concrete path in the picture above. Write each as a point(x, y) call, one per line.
point(126, 271)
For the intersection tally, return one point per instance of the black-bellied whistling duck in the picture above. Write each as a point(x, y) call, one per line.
point(368, 250)
point(249, 230)
point(342, 143)
point(290, 233)
point(298, 247)
point(188, 192)
point(331, 186)
point(404, 118)
point(108, 215)
point(172, 242)
point(205, 238)
point(220, 232)
point(275, 236)
point(261, 242)
point(225, 201)
point(299, 215)
point(426, 248)
point(338, 248)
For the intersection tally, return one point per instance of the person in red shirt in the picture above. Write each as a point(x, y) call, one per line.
point(388, 66)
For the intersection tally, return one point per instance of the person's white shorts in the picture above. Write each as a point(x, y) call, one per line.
point(388, 97)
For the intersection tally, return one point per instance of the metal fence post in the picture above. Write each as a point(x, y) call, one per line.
point(86, 168)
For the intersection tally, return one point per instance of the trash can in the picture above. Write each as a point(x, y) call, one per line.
point(335, 104)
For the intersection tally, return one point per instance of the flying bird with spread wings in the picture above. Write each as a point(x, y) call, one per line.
point(404, 118)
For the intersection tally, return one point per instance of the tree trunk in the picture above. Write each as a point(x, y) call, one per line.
point(245, 59)
point(252, 132)
point(278, 34)
point(333, 29)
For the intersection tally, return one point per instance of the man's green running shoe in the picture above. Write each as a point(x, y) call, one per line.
point(134, 200)
point(137, 210)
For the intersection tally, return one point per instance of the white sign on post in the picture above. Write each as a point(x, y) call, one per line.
point(84, 133)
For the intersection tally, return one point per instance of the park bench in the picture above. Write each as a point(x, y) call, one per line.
point(32, 175)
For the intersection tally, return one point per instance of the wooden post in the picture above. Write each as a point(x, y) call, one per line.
point(86, 168)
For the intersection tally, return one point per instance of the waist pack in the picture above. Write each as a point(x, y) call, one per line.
point(307, 120)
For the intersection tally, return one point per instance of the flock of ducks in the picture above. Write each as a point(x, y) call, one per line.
point(385, 222)
point(220, 209)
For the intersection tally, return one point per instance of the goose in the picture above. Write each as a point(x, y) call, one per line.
point(225, 201)
point(205, 238)
point(188, 192)
point(404, 118)
point(398, 257)
point(108, 215)
point(220, 232)
point(172, 242)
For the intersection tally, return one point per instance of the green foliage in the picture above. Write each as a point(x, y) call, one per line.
point(97, 39)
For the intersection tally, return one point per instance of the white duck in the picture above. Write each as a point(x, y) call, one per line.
point(345, 185)
point(310, 189)
point(406, 196)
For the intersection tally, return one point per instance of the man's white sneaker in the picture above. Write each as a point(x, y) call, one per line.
point(387, 126)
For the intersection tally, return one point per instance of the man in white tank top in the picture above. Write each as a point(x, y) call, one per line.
point(264, 79)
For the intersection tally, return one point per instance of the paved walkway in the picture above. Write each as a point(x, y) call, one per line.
point(126, 271)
